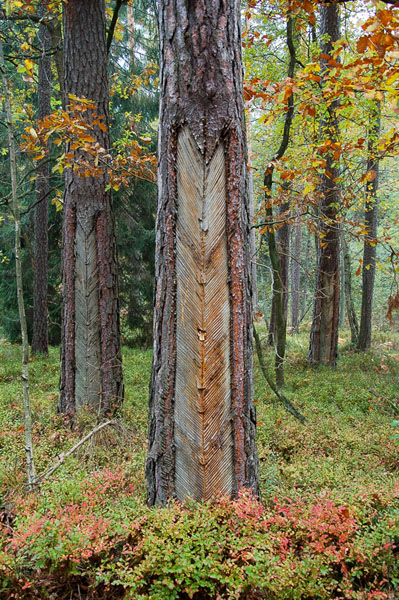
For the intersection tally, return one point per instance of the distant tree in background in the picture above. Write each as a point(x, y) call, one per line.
point(40, 282)
point(135, 114)
point(370, 219)
point(324, 332)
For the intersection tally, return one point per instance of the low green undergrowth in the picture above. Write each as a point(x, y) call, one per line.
point(328, 525)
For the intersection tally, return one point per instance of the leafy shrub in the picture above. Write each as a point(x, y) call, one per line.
point(98, 531)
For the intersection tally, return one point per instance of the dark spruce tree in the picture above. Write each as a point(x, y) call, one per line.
point(135, 208)
point(202, 416)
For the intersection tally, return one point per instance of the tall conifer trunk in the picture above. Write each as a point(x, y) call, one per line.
point(370, 218)
point(283, 251)
point(91, 371)
point(296, 274)
point(40, 309)
point(324, 332)
point(202, 416)
point(350, 306)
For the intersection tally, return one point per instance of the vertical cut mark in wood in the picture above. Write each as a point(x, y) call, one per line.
point(87, 325)
point(203, 429)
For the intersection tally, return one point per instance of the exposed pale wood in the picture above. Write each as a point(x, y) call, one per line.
point(203, 432)
point(201, 88)
point(87, 326)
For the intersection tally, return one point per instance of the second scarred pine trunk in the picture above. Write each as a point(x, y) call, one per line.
point(202, 416)
point(91, 371)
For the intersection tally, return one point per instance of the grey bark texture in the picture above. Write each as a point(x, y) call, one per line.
point(370, 218)
point(283, 251)
point(323, 345)
point(304, 288)
point(40, 219)
point(296, 274)
point(91, 369)
point(350, 306)
point(201, 101)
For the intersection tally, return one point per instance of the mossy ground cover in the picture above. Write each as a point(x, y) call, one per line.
point(328, 525)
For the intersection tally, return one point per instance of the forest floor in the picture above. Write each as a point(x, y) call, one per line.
point(343, 461)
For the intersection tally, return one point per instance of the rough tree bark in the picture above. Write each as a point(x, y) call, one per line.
point(201, 417)
point(40, 310)
point(323, 345)
point(253, 235)
point(304, 289)
point(279, 285)
point(91, 370)
point(283, 251)
point(370, 218)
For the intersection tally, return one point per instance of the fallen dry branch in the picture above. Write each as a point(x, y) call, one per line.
point(62, 457)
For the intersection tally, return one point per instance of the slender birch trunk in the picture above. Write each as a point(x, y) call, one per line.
point(18, 270)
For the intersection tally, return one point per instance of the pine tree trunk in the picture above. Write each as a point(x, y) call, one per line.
point(342, 288)
point(91, 370)
point(40, 310)
point(252, 215)
point(324, 332)
point(202, 416)
point(55, 30)
point(132, 36)
point(370, 218)
point(296, 275)
point(278, 316)
point(283, 250)
point(280, 270)
point(304, 289)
